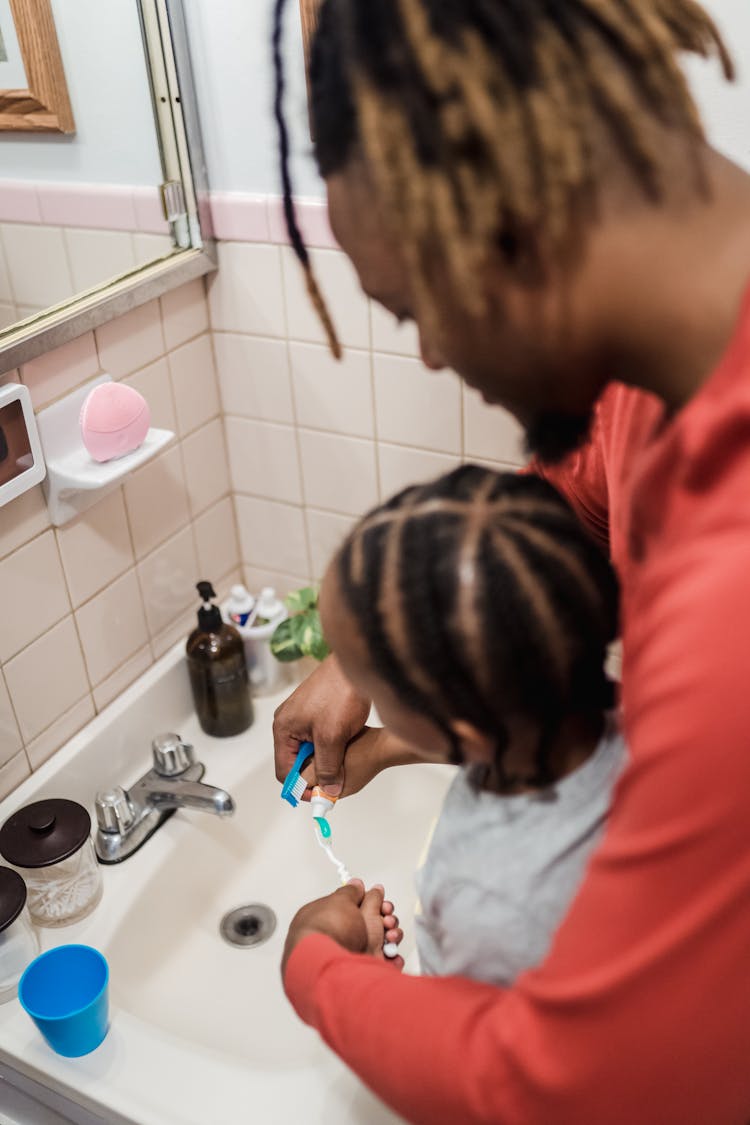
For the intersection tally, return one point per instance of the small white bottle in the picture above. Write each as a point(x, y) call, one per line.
point(270, 609)
point(237, 610)
point(239, 605)
point(267, 673)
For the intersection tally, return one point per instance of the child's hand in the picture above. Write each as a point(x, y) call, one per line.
point(359, 921)
point(393, 935)
point(381, 927)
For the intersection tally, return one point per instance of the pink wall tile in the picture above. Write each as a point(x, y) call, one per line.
point(196, 394)
point(491, 432)
point(246, 294)
point(58, 372)
point(56, 662)
point(131, 341)
point(254, 377)
point(338, 281)
point(416, 408)
point(272, 534)
point(149, 214)
point(154, 384)
point(339, 473)
point(13, 773)
point(256, 577)
point(97, 206)
point(206, 471)
point(95, 548)
point(205, 218)
point(38, 597)
point(332, 395)
point(19, 202)
point(22, 520)
point(110, 688)
point(237, 217)
point(327, 531)
point(112, 627)
point(168, 578)
point(312, 216)
point(184, 313)
point(156, 500)
point(58, 733)
point(263, 459)
point(216, 540)
point(10, 736)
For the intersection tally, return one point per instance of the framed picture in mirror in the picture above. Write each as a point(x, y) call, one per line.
point(309, 10)
point(33, 90)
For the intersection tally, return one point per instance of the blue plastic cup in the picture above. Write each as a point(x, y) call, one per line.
point(65, 991)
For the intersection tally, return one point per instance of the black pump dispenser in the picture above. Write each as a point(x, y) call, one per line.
point(218, 671)
point(209, 615)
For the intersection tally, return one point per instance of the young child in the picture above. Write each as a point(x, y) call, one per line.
point(476, 613)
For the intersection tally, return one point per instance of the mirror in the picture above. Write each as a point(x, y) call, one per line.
point(97, 193)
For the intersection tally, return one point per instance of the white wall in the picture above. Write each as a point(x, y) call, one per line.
point(232, 56)
point(231, 50)
point(726, 108)
point(230, 42)
point(115, 141)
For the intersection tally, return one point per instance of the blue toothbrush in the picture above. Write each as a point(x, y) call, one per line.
point(295, 785)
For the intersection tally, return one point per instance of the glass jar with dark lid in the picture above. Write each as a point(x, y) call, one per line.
point(49, 842)
point(19, 943)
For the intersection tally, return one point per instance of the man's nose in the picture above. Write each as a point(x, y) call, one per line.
point(431, 355)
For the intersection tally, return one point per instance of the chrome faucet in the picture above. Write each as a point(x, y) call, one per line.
point(126, 818)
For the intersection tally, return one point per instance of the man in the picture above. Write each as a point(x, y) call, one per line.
point(530, 183)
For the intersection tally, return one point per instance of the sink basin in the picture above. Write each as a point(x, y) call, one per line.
point(201, 1029)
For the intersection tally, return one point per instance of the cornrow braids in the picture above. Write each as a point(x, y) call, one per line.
point(481, 598)
point(478, 119)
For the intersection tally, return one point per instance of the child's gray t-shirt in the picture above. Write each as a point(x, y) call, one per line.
point(501, 872)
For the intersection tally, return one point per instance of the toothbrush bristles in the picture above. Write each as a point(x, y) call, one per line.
point(299, 788)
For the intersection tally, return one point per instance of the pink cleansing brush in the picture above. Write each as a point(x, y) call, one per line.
point(114, 421)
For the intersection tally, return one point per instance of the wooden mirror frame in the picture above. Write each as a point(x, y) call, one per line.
point(178, 125)
point(45, 105)
point(309, 12)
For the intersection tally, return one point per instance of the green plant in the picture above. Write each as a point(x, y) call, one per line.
point(301, 633)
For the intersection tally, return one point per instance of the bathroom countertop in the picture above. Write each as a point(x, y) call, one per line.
point(201, 1031)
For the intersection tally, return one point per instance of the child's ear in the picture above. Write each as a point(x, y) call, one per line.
point(476, 746)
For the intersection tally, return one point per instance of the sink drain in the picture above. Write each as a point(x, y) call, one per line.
point(248, 925)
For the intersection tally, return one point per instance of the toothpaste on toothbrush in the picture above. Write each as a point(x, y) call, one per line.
point(320, 805)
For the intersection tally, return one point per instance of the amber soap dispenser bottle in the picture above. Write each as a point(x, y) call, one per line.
point(218, 671)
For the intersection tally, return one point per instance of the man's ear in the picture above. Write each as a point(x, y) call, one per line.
point(476, 746)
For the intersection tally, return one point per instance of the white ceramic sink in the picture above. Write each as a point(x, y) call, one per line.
point(201, 1031)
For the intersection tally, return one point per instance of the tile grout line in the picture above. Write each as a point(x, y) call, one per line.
point(14, 713)
point(81, 645)
point(223, 415)
point(295, 418)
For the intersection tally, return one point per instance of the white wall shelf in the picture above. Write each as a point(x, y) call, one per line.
point(75, 481)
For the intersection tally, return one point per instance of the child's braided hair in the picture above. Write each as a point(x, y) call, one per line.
point(480, 597)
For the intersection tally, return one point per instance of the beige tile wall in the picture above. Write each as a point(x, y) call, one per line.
point(279, 449)
point(313, 443)
point(75, 259)
point(89, 606)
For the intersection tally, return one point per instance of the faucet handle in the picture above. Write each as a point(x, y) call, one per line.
point(172, 756)
point(114, 810)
